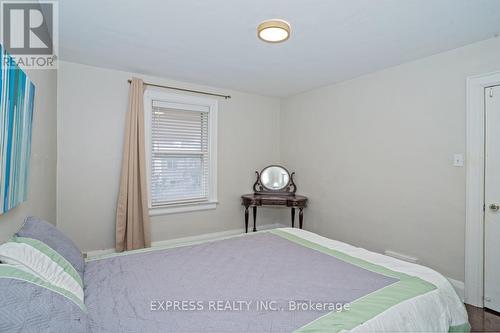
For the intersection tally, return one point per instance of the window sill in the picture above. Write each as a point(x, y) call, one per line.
point(182, 208)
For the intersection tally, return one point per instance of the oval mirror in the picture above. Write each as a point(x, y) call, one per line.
point(274, 178)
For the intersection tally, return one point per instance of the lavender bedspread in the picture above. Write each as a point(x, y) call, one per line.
point(130, 293)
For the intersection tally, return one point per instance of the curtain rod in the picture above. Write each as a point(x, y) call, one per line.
point(188, 90)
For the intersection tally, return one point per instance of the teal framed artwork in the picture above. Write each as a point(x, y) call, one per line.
point(17, 94)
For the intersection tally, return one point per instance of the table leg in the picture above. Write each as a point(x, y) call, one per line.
point(293, 217)
point(301, 217)
point(254, 218)
point(246, 219)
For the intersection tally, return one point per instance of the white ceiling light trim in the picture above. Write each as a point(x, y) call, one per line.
point(274, 31)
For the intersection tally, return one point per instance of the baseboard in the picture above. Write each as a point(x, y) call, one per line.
point(459, 287)
point(97, 253)
point(187, 240)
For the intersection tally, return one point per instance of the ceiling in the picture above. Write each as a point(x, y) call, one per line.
point(215, 43)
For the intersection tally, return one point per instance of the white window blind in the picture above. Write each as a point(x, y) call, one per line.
point(179, 154)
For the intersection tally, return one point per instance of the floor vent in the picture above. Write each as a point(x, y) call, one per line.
point(401, 256)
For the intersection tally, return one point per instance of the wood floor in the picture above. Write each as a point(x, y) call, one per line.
point(483, 320)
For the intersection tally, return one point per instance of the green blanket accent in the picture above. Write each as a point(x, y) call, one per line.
point(465, 328)
point(368, 306)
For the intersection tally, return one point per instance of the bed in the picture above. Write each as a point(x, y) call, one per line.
point(280, 280)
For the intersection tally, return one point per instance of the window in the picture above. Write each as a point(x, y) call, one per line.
point(181, 152)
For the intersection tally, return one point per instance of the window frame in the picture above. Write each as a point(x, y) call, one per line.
point(179, 100)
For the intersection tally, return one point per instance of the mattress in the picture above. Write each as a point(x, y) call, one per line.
point(281, 280)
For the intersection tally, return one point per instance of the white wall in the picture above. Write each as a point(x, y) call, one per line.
point(374, 154)
point(42, 179)
point(91, 121)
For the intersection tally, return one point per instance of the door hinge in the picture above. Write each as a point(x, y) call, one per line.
point(484, 207)
point(491, 92)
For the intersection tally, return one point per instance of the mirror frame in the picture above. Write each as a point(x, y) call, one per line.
point(289, 188)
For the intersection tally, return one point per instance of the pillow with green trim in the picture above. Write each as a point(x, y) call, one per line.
point(41, 261)
point(36, 228)
point(29, 304)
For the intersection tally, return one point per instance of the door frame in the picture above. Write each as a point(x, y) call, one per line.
point(475, 162)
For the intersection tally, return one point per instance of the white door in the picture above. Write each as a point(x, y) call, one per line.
point(492, 200)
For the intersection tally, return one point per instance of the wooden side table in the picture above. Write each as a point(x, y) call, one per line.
point(255, 200)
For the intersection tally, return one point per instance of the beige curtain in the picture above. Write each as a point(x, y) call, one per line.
point(132, 217)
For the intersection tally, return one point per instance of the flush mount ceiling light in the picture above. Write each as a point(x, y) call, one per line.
point(274, 31)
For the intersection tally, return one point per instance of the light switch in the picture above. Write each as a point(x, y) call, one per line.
point(458, 160)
